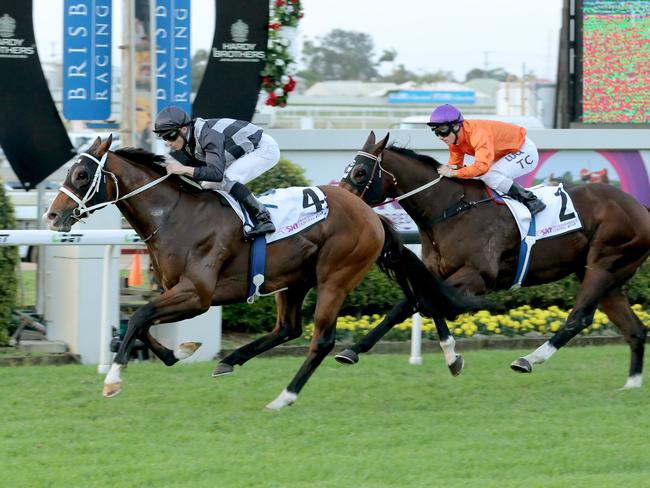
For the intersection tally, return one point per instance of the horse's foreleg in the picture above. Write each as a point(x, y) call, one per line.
point(178, 303)
point(400, 312)
point(167, 356)
point(617, 307)
point(288, 326)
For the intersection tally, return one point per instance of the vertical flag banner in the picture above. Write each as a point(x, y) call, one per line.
point(32, 134)
point(231, 84)
point(87, 40)
point(173, 56)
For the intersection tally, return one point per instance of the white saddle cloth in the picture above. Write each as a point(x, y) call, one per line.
point(292, 209)
point(559, 217)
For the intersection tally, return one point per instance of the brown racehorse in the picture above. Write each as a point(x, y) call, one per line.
point(473, 243)
point(195, 243)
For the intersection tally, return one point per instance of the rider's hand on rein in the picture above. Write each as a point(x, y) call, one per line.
point(447, 171)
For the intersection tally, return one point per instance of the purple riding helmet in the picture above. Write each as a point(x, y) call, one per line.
point(445, 114)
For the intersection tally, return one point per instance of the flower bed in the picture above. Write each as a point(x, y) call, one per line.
point(519, 321)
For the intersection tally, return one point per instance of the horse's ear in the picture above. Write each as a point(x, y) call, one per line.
point(95, 145)
point(382, 144)
point(371, 140)
point(104, 146)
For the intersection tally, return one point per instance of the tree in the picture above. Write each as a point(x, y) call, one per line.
point(282, 175)
point(499, 74)
point(199, 62)
point(8, 264)
point(402, 75)
point(342, 55)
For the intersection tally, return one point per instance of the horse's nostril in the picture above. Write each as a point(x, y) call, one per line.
point(51, 216)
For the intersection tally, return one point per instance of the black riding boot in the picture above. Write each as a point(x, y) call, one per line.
point(528, 198)
point(258, 212)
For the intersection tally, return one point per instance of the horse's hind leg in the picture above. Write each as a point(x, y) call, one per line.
point(617, 307)
point(287, 327)
point(330, 299)
point(596, 282)
point(455, 361)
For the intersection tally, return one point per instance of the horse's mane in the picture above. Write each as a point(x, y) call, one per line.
point(140, 156)
point(410, 153)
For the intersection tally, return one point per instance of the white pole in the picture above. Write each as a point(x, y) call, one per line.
point(416, 340)
point(416, 327)
point(128, 73)
point(105, 323)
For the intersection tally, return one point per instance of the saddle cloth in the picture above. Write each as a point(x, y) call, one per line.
point(559, 217)
point(292, 209)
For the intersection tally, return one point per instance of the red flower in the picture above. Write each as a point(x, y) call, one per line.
point(279, 3)
point(266, 80)
point(289, 87)
point(272, 99)
point(274, 25)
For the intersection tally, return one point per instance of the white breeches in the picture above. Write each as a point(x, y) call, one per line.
point(249, 166)
point(502, 173)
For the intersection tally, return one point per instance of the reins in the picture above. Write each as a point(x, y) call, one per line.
point(95, 185)
point(377, 164)
point(460, 207)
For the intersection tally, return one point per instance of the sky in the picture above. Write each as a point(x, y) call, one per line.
point(428, 35)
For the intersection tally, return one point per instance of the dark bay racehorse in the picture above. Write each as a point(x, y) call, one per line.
point(195, 243)
point(474, 246)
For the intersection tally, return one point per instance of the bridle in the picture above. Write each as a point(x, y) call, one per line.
point(98, 183)
point(376, 172)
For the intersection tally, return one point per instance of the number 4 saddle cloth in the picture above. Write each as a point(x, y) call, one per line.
point(559, 217)
point(292, 209)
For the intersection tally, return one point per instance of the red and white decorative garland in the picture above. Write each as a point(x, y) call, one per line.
point(276, 79)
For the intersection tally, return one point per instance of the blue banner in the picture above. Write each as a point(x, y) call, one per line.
point(87, 43)
point(173, 57)
point(432, 97)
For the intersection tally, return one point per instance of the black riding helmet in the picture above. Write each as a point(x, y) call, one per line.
point(171, 119)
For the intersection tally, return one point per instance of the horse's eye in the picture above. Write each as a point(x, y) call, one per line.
point(80, 176)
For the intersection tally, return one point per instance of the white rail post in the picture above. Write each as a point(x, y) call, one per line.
point(105, 332)
point(416, 327)
point(416, 340)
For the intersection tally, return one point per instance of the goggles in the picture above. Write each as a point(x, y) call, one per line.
point(170, 136)
point(442, 130)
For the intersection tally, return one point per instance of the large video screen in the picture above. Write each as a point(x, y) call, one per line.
point(616, 78)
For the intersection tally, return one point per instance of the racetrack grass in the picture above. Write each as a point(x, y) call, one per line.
point(381, 423)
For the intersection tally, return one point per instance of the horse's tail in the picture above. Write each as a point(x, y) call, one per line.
point(432, 296)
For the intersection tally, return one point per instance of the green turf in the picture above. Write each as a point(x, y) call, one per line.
point(381, 423)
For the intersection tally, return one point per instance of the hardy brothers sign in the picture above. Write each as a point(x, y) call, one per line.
point(232, 79)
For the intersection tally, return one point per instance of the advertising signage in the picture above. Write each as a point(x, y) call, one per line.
point(87, 42)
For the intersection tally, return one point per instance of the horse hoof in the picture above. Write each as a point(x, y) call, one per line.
point(111, 389)
point(222, 369)
point(186, 349)
point(521, 365)
point(348, 356)
point(457, 366)
point(285, 399)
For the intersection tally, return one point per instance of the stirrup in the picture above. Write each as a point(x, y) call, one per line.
point(260, 229)
point(535, 206)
